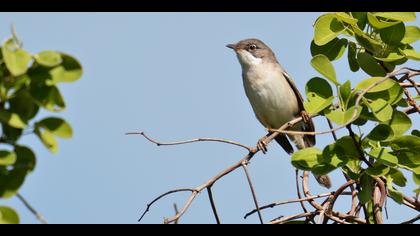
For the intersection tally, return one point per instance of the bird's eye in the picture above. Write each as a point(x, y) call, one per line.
point(252, 47)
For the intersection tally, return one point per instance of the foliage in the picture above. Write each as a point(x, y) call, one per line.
point(376, 43)
point(28, 84)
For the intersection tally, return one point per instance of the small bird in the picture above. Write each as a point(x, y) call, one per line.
point(274, 96)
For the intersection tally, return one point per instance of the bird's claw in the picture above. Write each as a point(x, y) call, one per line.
point(262, 145)
point(305, 116)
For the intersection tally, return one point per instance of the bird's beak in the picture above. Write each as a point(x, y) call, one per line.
point(233, 46)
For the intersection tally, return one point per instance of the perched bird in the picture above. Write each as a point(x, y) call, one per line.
point(273, 95)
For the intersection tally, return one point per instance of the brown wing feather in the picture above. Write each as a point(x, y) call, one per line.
point(309, 126)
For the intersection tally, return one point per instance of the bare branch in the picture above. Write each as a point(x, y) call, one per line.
point(213, 206)
point(37, 214)
point(285, 219)
point(412, 221)
point(254, 195)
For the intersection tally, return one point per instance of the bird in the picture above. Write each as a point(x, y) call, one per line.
point(274, 97)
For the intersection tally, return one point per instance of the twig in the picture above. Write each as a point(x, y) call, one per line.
point(412, 221)
point(176, 212)
point(254, 195)
point(191, 141)
point(213, 206)
point(37, 214)
point(293, 217)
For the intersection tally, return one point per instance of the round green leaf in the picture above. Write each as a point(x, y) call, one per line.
point(48, 58)
point(327, 27)
point(393, 35)
point(411, 53)
point(7, 158)
point(369, 65)
point(381, 132)
point(12, 119)
point(48, 139)
point(26, 159)
point(351, 57)
point(344, 17)
point(70, 70)
point(343, 117)
point(398, 16)
point(319, 94)
point(398, 177)
point(381, 110)
point(8, 215)
point(333, 49)
point(378, 23)
point(378, 170)
point(307, 158)
point(412, 34)
point(334, 155)
point(384, 156)
point(391, 57)
point(416, 179)
point(16, 59)
point(366, 83)
point(361, 19)
point(324, 67)
point(57, 126)
point(400, 123)
point(48, 97)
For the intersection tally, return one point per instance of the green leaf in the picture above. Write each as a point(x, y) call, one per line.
point(323, 169)
point(334, 155)
point(393, 35)
point(369, 65)
point(26, 159)
point(70, 70)
point(381, 110)
point(408, 143)
point(378, 23)
point(12, 119)
point(56, 126)
point(48, 139)
point(327, 27)
point(16, 59)
point(398, 177)
point(344, 17)
point(416, 179)
point(396, 195)
point(351, 57)
point(11, 181)
point(415, 133)
point(8, 215)
point(48, 97)
point(7, 158)
point(48, 58)
point(384, 156)
point(306, 159)
point(361, 19)
point(398, 16)
point(366, 193)
point(377, 170)
point(381, 132)
point(411, 53)
point(400, 123)
point(23, 105)
point(391, 57)
point(366, 83)
point(346, 148)
point(324, 67)
point(412, 34)
point(392, 95)
point(333, 49)
point(343, 117)
point(319, 94)
point(345, 92)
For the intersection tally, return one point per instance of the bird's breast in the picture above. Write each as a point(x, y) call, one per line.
point(270, 95)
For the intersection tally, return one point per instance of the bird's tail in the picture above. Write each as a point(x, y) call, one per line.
point(302, 142)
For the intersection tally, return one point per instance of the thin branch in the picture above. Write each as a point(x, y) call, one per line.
point(254, 195)
point(37, 214)
point(158, 143)
point(412, 221)
point(213, 206)
point(284, 219)
point(176, 212)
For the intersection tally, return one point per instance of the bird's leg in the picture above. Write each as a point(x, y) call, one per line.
point(305, 116)
point(262, 144)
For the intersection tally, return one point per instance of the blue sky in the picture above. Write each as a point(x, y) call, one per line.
point(168, 74)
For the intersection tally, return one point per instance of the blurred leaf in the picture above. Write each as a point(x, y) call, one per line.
point(381, 132)
point(7, 158)
point(333, 49)
point(306, 159)
point(8, 215)
point(47, 138)
point(23, 105)
point(411, 54)
point(369, 65)
point(12, 119)
point(398, 177)
point(16, 59)
point(343, 117)
point(392, 95)
point(334, 155)
point(366, 83)
point(345, 92)
point(351, 57)
point(399, 16)
point(384, 156)
point(322, 169)
point(26, 159)
point(415, 133)
point(400, 123)
point(57, 126)
point(381, 110)
point(391, 57)
point(48, 97)
point(377, 170)
point(378, 23)
point(396, 195)
point(366, 193)
point(48, 58)
point(319, 94)
point(345, 147)
point(344, 17)
point(327, 27)
point(324, 67)
point(393, 35)
point(412, 34)
point(70, 70)
point(11, 181)
point(361, 19)
point(416, 179)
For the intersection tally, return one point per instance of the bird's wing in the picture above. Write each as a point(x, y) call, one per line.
point(309, 126)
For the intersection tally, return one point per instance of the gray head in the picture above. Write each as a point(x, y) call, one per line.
point(252, 51)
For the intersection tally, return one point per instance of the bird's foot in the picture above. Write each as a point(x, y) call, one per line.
point(305, 116)
point(262, 145)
